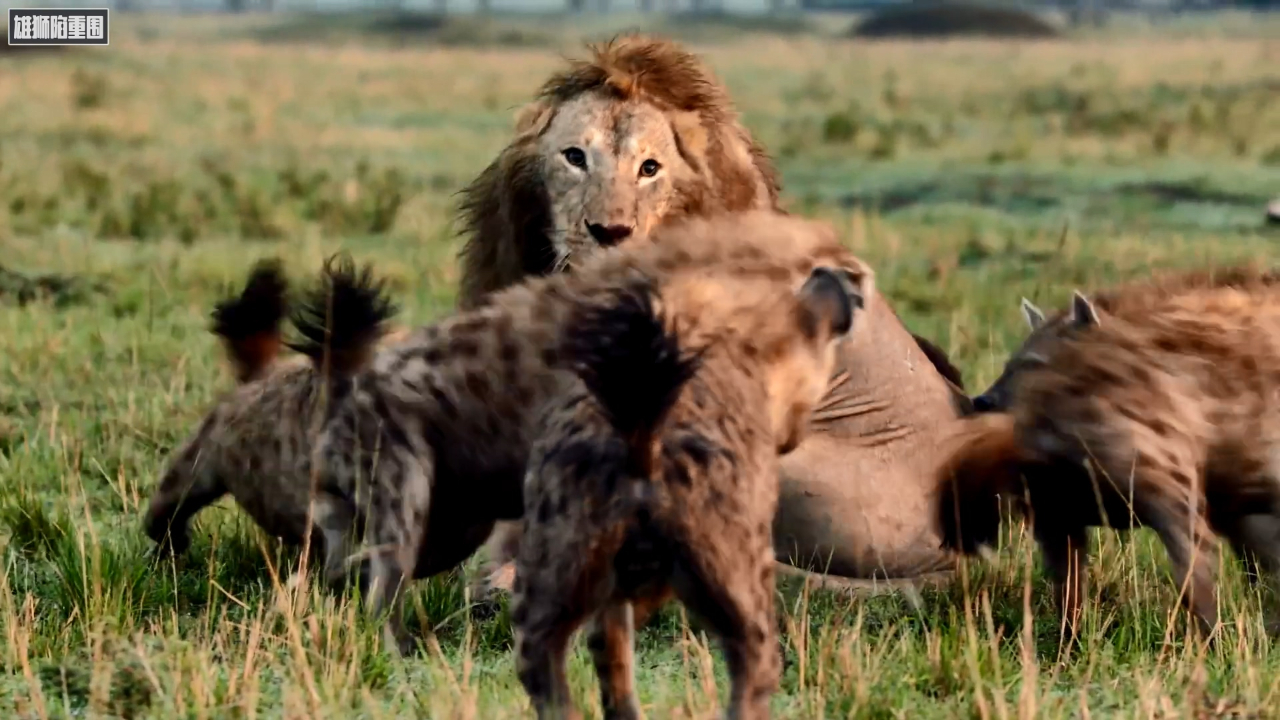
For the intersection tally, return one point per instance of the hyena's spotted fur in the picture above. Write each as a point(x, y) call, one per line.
point(1163, 413)
point(660, 477)
point(431, 440)
point(256, 442)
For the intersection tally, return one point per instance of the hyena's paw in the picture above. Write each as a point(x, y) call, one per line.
point(490, 588)
point(170, 547)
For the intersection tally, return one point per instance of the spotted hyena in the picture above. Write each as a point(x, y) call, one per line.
point(431, 439)
point(659, 477)
point(255, 444)
point(1161, 415)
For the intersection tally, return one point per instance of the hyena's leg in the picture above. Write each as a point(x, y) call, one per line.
point(1256, 539)
point(730, 585)
point(1243, 498)
point(1247, 537)
point(611, 641)
point(189, 486)
point(333, 518)
point(1243, 480)
point(400, 499)
point(1180, 522)
point(554, 591)
point(1066, 555)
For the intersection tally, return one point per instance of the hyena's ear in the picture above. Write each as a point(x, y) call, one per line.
point(1083, 313)
point(1032, 314)
point(532, 119)
point(829, 299)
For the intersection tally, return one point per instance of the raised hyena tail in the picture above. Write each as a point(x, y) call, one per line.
point(249, 324)
point(342, 318)
point(632, 363)
point(979, 478)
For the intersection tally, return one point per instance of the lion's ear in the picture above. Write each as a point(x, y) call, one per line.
point(692, 136)
point(533, 119)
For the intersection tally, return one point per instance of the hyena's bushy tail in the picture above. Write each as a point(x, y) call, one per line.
point(249, 323)
point(977, 480)
point(342, 318)
point(632, 363)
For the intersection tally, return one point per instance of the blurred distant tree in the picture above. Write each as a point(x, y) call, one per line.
point(576, 6)
point(1089, 12)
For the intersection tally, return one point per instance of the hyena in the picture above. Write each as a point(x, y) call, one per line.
point(1160, 415)
point(1044, 332)
point(255, 443)
point(1083, 313)
point(659, 477)
point(431, 439)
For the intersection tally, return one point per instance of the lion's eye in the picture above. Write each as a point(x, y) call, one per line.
point(575, 157)
point(649, 168)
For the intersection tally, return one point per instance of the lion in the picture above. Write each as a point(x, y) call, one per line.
point(566, 186)
point(611, 147)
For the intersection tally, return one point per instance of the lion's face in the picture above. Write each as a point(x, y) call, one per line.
point(612, 170)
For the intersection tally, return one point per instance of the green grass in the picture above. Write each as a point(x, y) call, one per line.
point(153, 173)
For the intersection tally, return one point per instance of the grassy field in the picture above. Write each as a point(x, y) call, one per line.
point(151, 174)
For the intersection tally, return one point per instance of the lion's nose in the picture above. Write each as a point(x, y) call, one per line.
point(608, 235)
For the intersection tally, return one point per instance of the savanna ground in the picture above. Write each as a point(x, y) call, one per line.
point(154, 172)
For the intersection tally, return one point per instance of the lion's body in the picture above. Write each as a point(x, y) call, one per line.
point(855, 495)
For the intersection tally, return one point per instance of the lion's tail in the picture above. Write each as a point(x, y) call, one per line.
point(980, 476)
point(341, 319)
point(249, 324)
